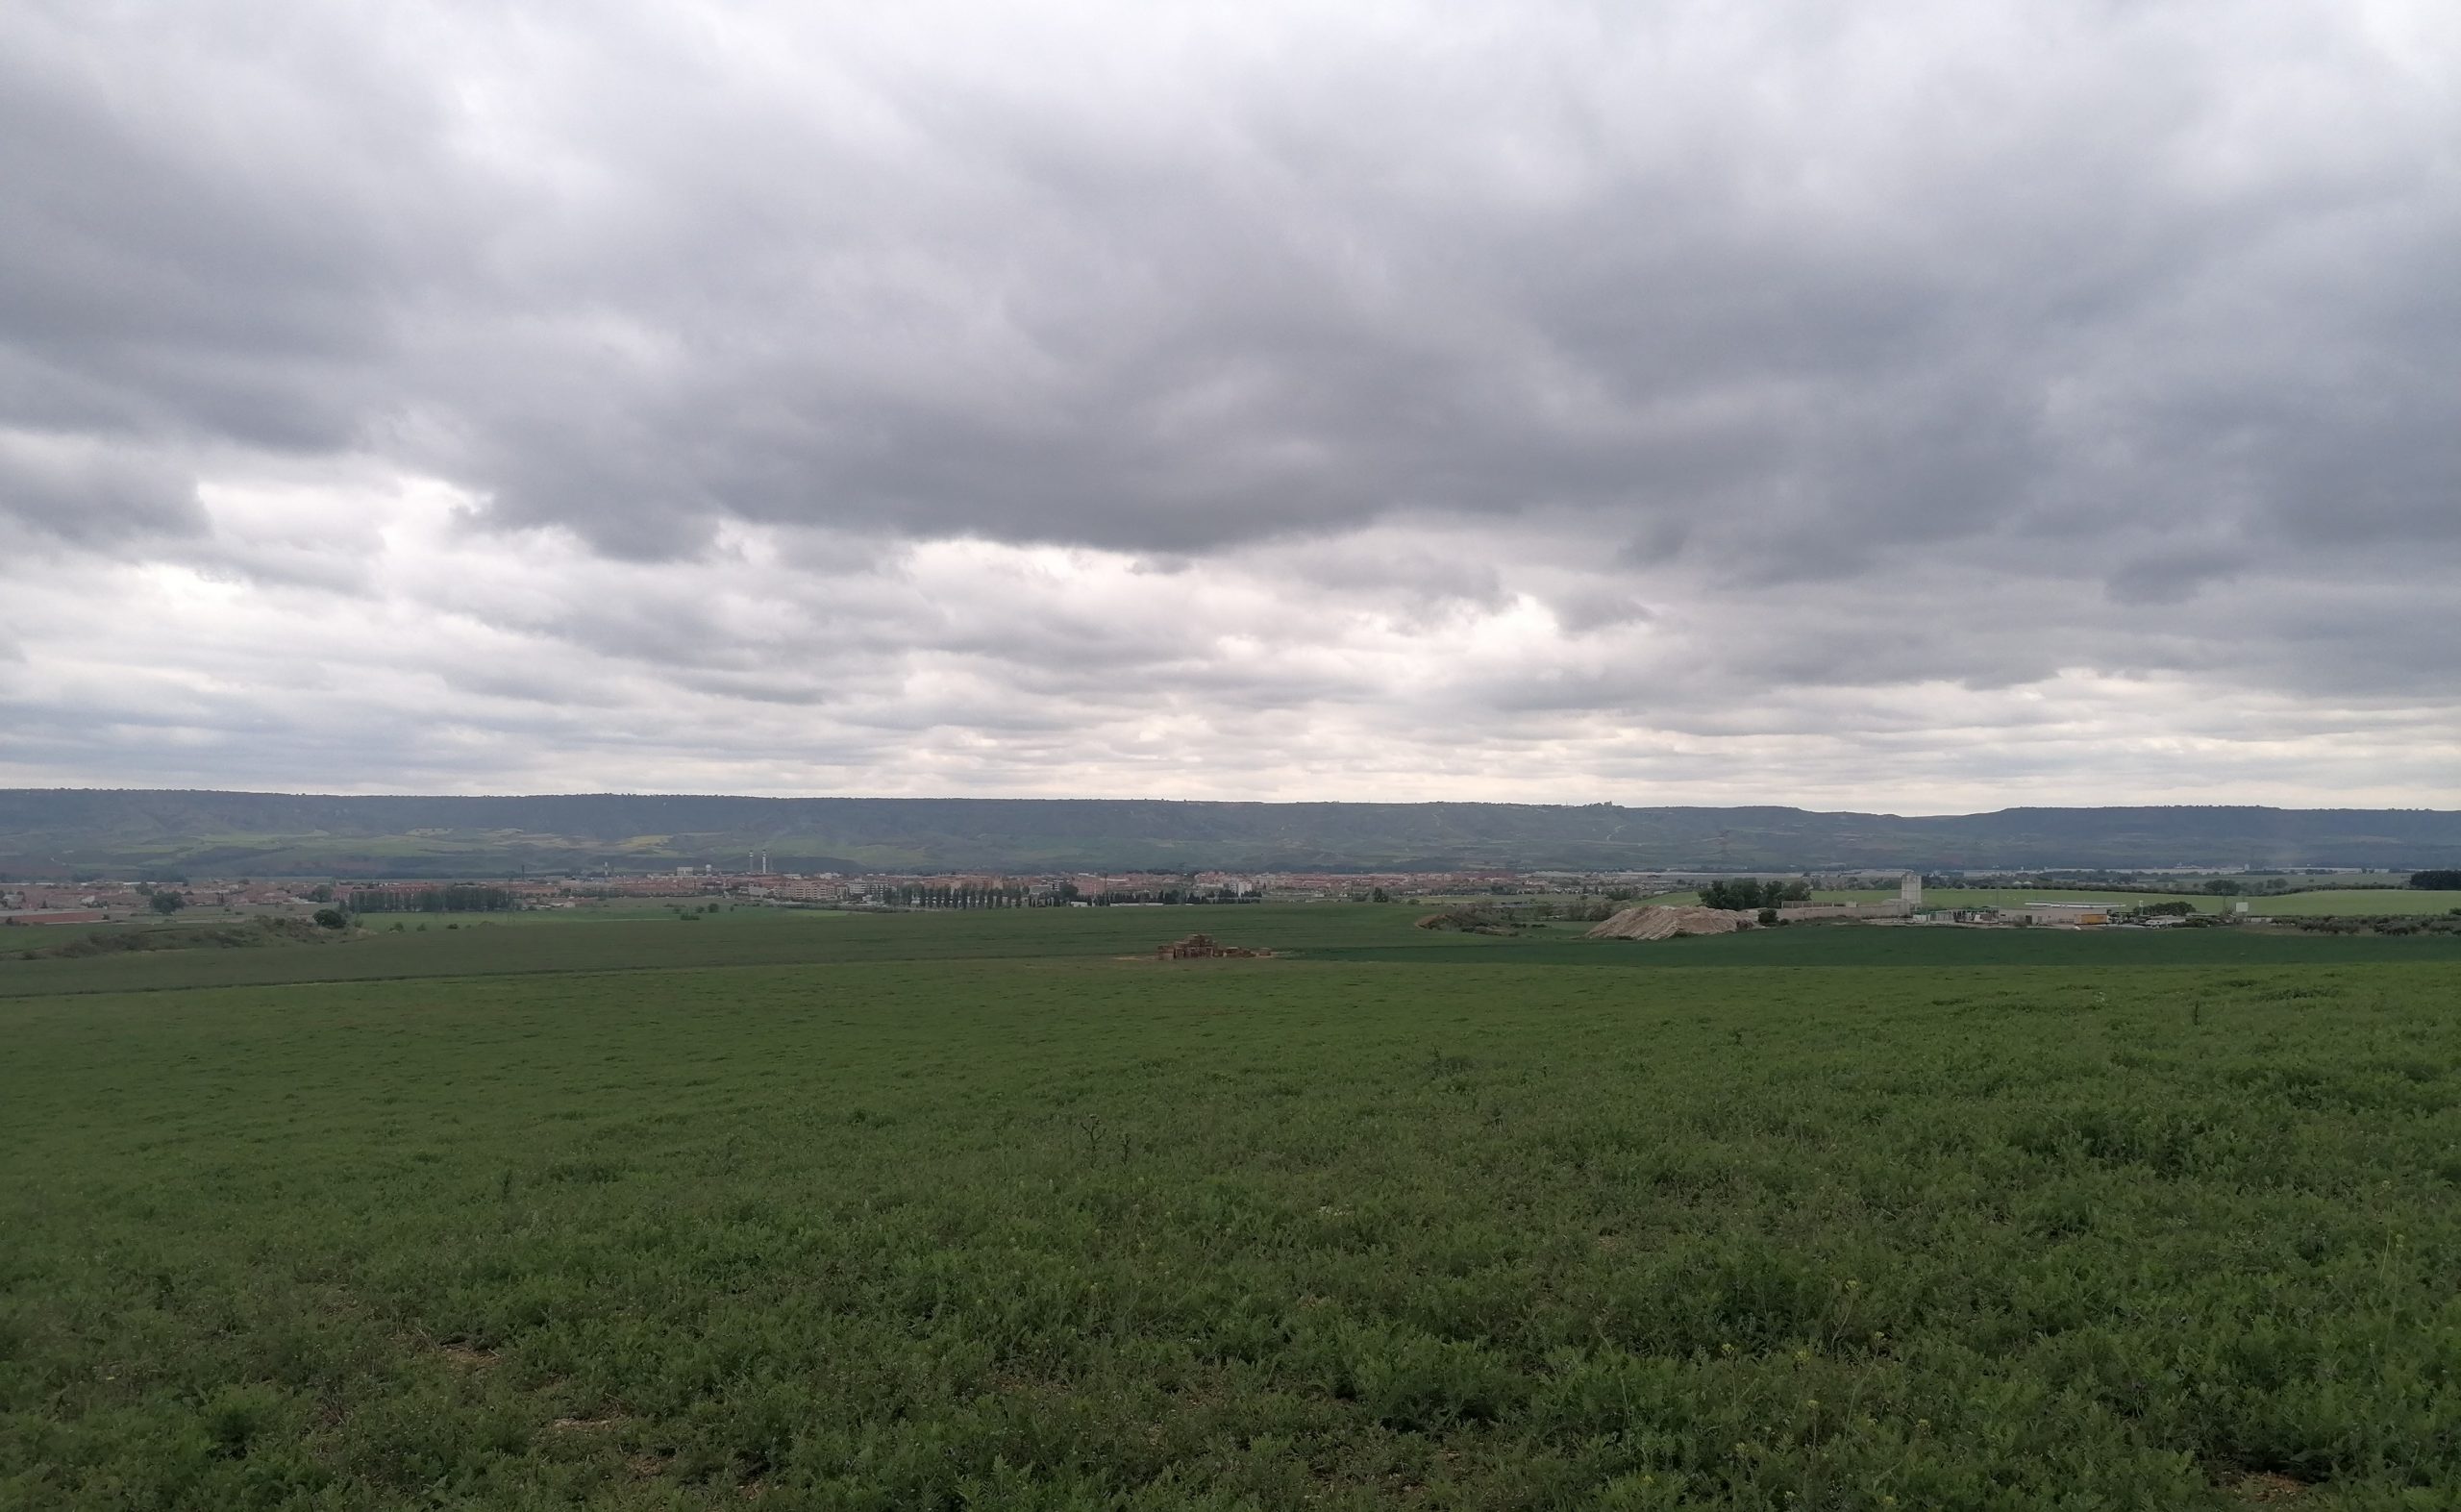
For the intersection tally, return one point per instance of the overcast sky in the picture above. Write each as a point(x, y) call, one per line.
point(1899, 406)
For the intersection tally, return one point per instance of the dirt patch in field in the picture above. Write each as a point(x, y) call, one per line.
point(469, 1356)
point(2268, 1486)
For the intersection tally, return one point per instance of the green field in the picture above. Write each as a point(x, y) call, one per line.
point(2344, 902)
point(552, 942)
point(966, 1210)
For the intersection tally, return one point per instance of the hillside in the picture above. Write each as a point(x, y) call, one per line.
point(49, 832)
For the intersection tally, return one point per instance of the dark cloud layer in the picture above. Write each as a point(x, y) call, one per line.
point(1757, 351)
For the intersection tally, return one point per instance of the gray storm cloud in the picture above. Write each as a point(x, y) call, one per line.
point(1635, 367)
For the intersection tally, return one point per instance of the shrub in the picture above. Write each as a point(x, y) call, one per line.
point(1469, 919)
point(237, 1416)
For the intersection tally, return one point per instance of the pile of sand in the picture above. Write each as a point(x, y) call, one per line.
point(1658, 922)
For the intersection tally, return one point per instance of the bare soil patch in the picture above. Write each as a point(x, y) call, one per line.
point(2268, 1486)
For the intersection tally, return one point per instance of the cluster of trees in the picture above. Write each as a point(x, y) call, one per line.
point(1752, 893)
point(449, 897)
point(1188, 894)
point(2442, 880)
point(1473, 919)
point(2381, 923)
point(971, 895)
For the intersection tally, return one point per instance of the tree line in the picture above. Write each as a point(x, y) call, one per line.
point(449, 897)
point(1749, 893)
point(971, 895)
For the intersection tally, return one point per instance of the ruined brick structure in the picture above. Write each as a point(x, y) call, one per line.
point(1200, 947)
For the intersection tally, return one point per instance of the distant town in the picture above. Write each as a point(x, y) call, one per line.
point(1541, 894)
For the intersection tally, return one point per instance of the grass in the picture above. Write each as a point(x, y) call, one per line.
point(2355, 901)
point(605, 911)
point(478, 945)
point(488, 944)
point(2339, 901)
point(1921, 949)
point(960, 1210)
point(264, 931)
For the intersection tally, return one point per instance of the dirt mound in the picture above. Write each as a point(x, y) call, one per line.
point(1657, 922)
